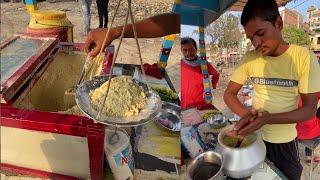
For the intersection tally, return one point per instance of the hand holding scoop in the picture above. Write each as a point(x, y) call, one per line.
point(244, 121)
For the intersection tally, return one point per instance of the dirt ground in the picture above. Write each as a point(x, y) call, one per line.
point(14, 19)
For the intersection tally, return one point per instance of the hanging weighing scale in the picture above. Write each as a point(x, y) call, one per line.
point(153, 101)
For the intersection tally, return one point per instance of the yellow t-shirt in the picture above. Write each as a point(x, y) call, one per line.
point(277, 82)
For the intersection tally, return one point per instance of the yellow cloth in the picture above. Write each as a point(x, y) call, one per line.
point(160, 143)
point(277, 82)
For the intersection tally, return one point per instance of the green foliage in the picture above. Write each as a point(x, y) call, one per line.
point(166, 94)
point(225, 31)
point(294, 35)
point(210, 113)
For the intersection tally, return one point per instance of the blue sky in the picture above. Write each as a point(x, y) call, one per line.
point(302, 5)
point(299, 5)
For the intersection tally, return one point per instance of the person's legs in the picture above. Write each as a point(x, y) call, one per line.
point(85, 10)
point(285, 157)
point(100, 12)
point(89, 2)
point(307, 151)
point(105, 13)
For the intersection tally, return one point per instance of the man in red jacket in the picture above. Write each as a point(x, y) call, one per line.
point(192, 85)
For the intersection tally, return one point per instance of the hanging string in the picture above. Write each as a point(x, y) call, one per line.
point(136, 39)
point(94, 64)
point(113, 63)
point(129, 12)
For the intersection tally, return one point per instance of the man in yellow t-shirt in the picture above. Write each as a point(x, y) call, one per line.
point(280, 73)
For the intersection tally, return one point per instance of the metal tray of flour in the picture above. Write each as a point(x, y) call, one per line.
point(151, 109)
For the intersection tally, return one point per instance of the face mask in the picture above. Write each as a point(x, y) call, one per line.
point(190, 59)
point(192, 63)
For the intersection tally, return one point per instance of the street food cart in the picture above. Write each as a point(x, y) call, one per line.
point(198, 135)
point(35, 138)
point(201, 135)
point(39, 139)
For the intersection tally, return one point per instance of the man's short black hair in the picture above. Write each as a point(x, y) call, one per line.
point(267, 10)
point(187, 40)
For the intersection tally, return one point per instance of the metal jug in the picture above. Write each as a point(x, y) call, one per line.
point(241, 162)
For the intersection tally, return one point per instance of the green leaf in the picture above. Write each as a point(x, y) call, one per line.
point(296, 36)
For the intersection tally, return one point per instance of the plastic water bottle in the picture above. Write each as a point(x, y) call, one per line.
point(119, 155)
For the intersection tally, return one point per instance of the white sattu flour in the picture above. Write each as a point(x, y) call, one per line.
point(125, 98)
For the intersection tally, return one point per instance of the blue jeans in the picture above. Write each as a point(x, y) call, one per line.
point(85, 10)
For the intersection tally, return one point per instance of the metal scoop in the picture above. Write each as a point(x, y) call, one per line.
point(114, 138)
point(240, 138)
point(69, 95)
point(239, 142)
point(84, 70)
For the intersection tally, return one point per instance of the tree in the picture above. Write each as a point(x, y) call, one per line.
point(294, 35)
point(224, 33)
point(230, 35)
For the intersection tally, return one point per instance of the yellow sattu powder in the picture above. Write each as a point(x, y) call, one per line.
point(125, 98)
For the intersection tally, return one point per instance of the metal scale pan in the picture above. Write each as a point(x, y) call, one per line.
point(152, 107)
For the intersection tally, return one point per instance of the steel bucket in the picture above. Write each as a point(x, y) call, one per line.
point(206, 166)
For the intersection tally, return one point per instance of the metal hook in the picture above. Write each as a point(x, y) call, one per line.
point(114, 138)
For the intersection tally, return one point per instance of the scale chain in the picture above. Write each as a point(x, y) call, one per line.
point(129, 12)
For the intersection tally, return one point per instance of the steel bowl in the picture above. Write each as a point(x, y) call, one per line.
point(169, 117)
point(217, 121)
point(206, 166)
point(148, 113)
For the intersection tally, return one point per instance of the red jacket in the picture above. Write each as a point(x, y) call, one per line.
point(308, 129)
point(192, 91)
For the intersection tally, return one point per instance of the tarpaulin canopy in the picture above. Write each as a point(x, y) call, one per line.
point(204, 12)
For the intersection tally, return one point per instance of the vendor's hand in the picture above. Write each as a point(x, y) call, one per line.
point(256, 123)
point(241, 97)
point(244, 121)
point(93, 43)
